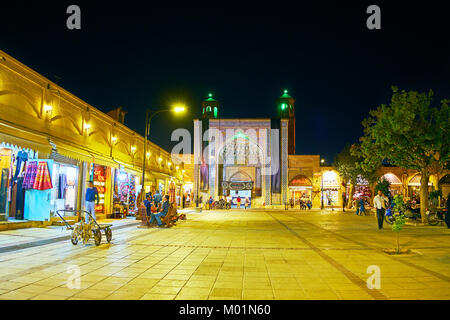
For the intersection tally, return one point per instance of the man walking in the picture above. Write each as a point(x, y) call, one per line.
point(91, 196)
point(379, 203)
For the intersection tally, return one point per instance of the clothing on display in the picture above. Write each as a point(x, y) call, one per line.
point(43, 180)
point(30, 175)
point(21, 158)
point(62, 186)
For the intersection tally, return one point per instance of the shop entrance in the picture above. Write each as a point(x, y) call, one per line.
point(64, 192)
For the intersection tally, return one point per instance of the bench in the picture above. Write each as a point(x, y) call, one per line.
point(168, 219)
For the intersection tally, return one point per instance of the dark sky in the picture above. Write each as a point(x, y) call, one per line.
point(137, 56)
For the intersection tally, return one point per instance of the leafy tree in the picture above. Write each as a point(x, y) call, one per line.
point(347, 165)
point(383, 185)
point(399, 206)
point(409, 133)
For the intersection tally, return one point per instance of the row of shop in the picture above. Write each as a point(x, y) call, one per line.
point(329, 190)
point(34, 187)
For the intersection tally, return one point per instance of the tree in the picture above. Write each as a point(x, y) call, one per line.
point(349, 168)
point(409, 133)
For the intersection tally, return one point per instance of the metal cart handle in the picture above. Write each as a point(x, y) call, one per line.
point(77, 211)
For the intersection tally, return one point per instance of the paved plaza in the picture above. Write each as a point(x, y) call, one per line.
point(237, 254)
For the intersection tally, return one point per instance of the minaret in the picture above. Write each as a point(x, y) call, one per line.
point(286, 110)
point(210, 108)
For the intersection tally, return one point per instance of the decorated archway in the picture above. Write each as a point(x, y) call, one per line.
point(414, 186)
point(396, 185)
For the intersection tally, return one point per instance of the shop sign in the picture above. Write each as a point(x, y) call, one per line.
point(229, 185)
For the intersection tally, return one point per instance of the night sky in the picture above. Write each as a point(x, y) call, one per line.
point(139, 56)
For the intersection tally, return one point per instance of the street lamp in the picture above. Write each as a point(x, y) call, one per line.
point(177, 109)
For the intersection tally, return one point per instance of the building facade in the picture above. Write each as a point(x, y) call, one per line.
point(255, 159)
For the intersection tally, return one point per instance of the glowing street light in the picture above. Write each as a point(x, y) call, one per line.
point(177, 109)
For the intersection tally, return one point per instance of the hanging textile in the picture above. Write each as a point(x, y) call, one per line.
point(43, 180)
point(62, 186)
point(30, 175)
point(22, 158)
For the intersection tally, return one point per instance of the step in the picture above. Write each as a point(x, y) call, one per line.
point(61, 223)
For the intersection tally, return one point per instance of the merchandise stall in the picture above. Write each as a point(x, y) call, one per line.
point(126, 189)
point(64, 193)
point(13, 166)
point(98, 176)
point(187, 192)
point(331, 187)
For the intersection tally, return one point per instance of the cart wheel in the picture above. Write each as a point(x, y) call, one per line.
point(74, 238)
point(97, 236)
point(108, 234)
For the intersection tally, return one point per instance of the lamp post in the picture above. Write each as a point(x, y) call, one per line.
point(148, 117)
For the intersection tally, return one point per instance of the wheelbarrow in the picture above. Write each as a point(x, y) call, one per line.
point(83, 231)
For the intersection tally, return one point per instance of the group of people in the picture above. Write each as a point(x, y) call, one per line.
point(246, 202)
point(157, 207)
point(304, 204)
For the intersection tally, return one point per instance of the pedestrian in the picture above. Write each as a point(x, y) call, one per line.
point(309, 204)
point(91, 197)
point(184, 200)
point(447, 215)
point(344, 198)
point(380, 202)
point(238, 201)
point(246, 203)
point(148, 205)
point(162, 213)
point(362, 209)
point(210, 202)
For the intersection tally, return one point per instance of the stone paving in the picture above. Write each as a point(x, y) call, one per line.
point(250, 255)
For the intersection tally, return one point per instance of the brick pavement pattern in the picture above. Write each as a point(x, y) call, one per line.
point(238, 255)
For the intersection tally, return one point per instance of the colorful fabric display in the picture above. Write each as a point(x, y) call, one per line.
point(43, 180)
point(30, 175)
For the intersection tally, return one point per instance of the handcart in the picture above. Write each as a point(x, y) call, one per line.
point(85, 231)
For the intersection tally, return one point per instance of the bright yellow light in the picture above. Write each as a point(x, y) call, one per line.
point(148, 154)
point(178, 168)
point(133, 148)
point(87, 126)
point(48, 108)
point(114, 139)
point(169, 163)
point(179, 109)
point(159, 159)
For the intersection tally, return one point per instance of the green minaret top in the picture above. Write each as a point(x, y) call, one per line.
point(210, 107)
point(285, 95)
point(285, 105)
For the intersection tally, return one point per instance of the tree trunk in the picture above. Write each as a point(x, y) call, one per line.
point(398, 242)
point(350, 196)
point(424, 194)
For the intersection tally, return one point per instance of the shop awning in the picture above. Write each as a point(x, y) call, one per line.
point(73, 152)
point(13, 137)
point(133, 171)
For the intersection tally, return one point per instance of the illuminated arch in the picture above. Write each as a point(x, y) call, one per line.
point(300, 181)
